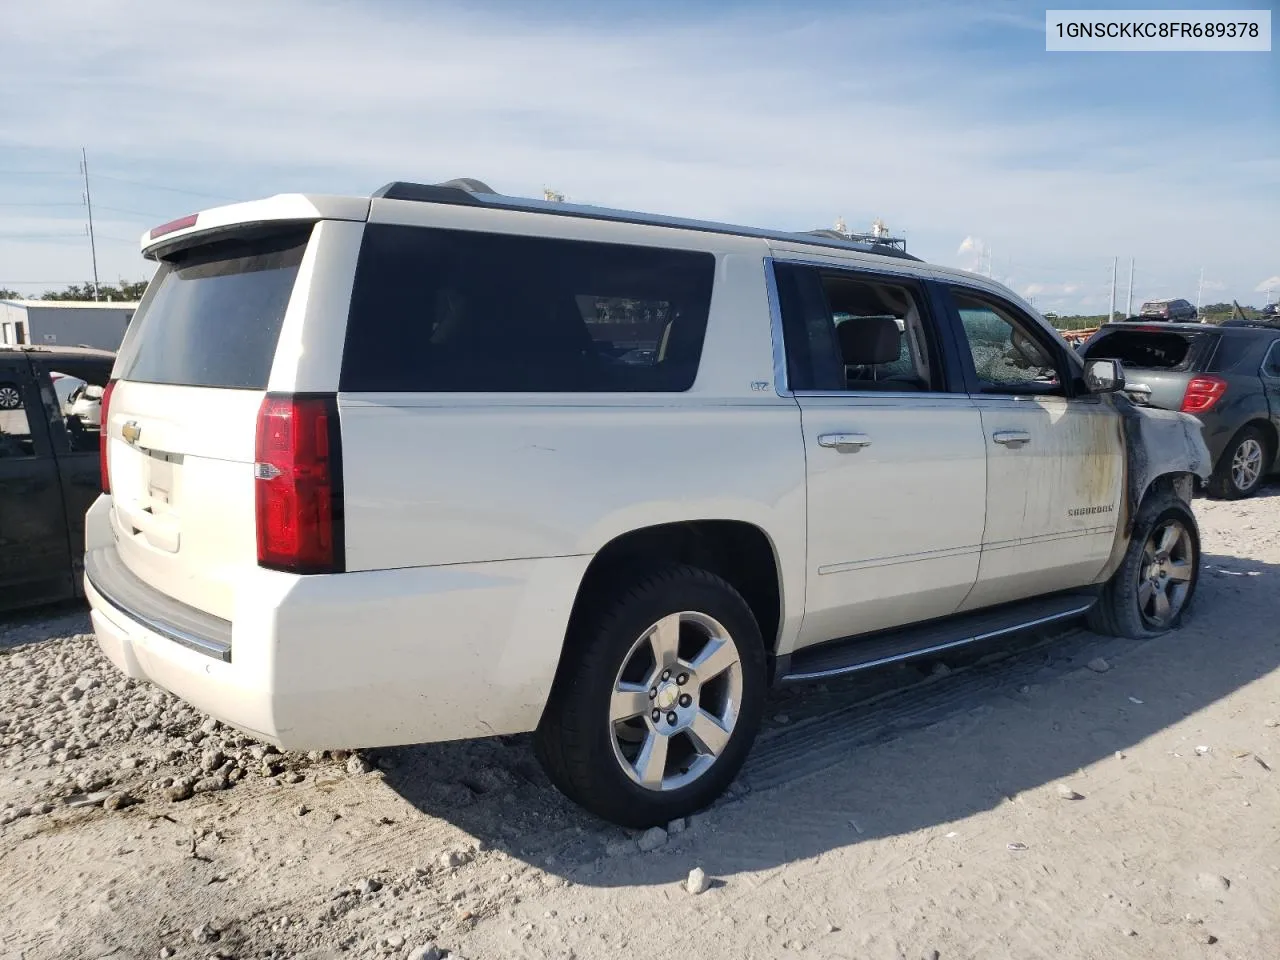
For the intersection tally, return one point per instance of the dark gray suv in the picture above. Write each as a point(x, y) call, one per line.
point(1175, 309)
point(1228, 377)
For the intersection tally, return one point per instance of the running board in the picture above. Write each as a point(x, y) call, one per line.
point(873, 650)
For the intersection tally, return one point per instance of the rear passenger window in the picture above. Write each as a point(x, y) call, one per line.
point(852, 331)
point(459, 311)
point(78, 389)
point(1271, 366)
point(1233, 353)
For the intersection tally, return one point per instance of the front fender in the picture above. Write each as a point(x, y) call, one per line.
point(1158, 443)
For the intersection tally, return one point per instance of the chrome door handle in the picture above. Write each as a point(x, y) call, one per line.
point(844, 442)
point(1011, 438)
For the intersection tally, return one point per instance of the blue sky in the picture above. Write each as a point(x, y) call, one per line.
point(950, 121)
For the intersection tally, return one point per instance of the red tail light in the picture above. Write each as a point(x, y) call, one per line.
point(298, 484)
point(104, 432)
point(1202, 393)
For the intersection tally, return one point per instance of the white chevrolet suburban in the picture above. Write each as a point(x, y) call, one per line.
point(442, 463)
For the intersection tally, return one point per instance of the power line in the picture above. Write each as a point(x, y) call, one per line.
point(34, 173)
point(39, 236)
point(156, 186)
point(134, 213)
point(107, 176)
point(42, 203)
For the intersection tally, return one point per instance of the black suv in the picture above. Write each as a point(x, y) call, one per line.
point(1177, 309)
point(1227, 376)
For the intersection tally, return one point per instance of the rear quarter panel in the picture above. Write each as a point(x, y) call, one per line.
point(434, 479)
point(1244, 402)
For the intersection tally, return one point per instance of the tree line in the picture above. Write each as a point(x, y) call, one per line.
point(127, 290)
point(1210, 313)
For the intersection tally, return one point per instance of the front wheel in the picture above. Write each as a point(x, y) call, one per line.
point(657, 700)
point(10, 396)
point(1155, 583)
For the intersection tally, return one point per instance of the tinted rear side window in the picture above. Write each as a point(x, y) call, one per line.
point(1237, 354)
point(211, 316)
point(458, 311)
point(1151, 350)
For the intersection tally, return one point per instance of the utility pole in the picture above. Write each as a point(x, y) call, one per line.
point(1200, 290)
point(88, 201)
point(1112, 314)
point(1128, 307)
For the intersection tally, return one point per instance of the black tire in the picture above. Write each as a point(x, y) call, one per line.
point(575, 740)
point(1118, 611)
point(1222, 484)
point(10, 396)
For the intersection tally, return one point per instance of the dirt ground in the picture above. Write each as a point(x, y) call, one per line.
point(1065, 796)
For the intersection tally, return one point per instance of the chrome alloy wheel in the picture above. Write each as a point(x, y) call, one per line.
point(675, 701)
point(10, 398)
point(1246, 465)
point(1164, 580)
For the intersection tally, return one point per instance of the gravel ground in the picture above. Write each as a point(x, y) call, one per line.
point(1069, 795)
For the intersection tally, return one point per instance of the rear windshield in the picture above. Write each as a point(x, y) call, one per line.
point(460, 311)
point(211, 316)
point(1151, 350)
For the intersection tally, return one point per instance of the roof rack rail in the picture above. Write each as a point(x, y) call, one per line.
point(465, 191)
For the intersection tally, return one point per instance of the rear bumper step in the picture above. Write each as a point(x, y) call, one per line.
point(147, 606)
point(874, 650)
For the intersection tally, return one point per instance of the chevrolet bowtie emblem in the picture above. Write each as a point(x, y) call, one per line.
point(131, 431)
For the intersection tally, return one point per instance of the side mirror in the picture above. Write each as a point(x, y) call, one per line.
point(1103, 376)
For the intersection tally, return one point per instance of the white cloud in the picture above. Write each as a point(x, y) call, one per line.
point(1050, 289)
point(972, 254)
point(744, 116)
point(1269, 285)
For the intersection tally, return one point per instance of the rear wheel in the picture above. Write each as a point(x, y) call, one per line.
point(10, 397)
point(1242, 466)
point(657, 700)
point(1156, 581)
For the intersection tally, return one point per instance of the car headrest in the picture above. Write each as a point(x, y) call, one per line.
point(869, 340)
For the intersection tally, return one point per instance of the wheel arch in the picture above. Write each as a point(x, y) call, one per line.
point(740, 552)
point(1180, 483)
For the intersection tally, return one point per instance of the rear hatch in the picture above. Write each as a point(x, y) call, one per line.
point(1158, 361)
point(190, 379)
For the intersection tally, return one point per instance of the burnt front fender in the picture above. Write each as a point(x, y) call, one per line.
point(1158, 444)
